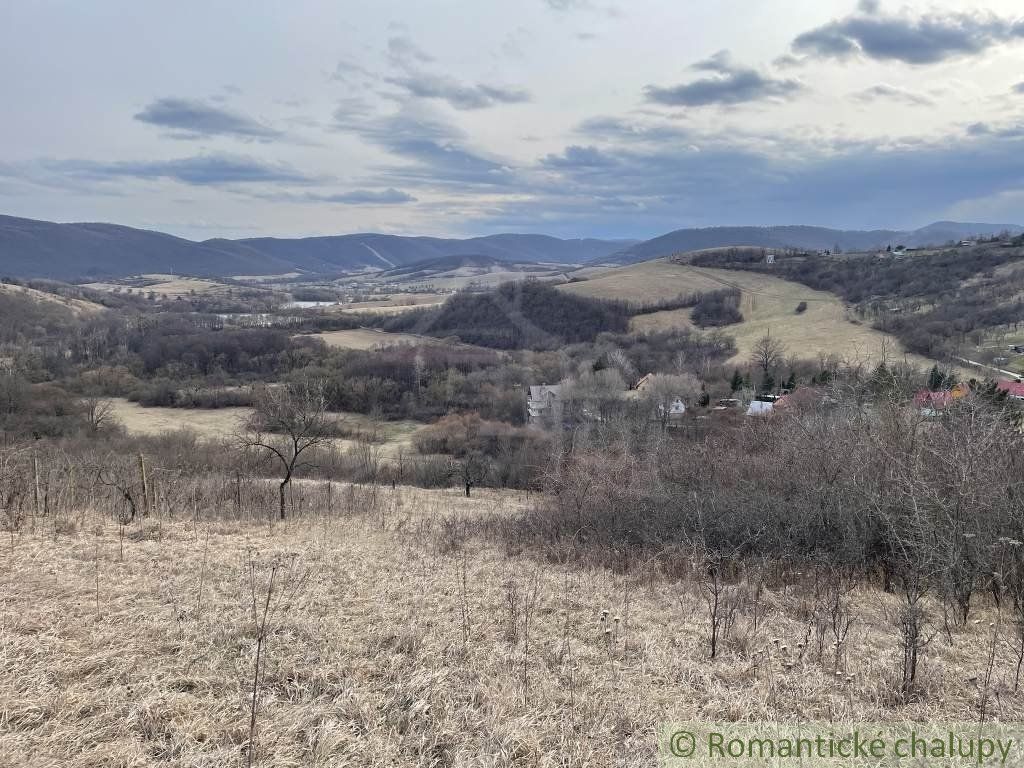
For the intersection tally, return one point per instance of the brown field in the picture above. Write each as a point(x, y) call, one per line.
point(390, 642)
point(767, 303)
point(168, 286)
point(391, 437)
point(78, 306)
point(459, 279)
point(206, 422)
point(399, 302)
point(369, 338)
point(267, 278)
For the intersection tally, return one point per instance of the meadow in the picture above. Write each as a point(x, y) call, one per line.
point(382, 627)
point(767, 303)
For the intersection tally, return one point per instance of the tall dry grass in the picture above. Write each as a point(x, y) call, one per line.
point(400, 633)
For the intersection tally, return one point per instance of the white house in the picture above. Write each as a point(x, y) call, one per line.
point(760, 408)
point(676, 408)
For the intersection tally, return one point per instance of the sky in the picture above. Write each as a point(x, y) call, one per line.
point(575, 118)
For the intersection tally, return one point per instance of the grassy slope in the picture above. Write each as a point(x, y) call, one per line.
point(147, 659)
point(77, 306)
point(368, 338)
point(222, 423)
point(768, 303)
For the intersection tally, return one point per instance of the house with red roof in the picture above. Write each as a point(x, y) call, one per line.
point(1013, 389)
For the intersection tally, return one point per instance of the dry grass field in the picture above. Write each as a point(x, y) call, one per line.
point(370, 338)
point(167, 286)
point(206, 422)
point(78, 306)
point(399, 302)
point(390, 437)
point(392, 639)
point(767, 303)
point(455, 280)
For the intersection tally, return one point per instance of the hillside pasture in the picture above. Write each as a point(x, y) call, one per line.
point(370, 338)
point(767, 303)
point(391, 437)
point(396, 637)
point(165, 286)
point(76, 306)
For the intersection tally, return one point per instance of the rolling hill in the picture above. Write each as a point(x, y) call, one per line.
point(767, 303)
point(812, 238)
point(31, 248)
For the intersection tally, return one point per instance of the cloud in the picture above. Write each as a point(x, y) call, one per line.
point(458, 95)
point(641, 178)
point(926, 39)
point(403, 50)
point(579, 157)
point(570, 6)
point(893, 93)
point(408, 60)
point(729, 84)
point(390, 196)
point(567, 5)
point(435, 150)
point(190, 118)
point(1018, 88)
point(201, 170)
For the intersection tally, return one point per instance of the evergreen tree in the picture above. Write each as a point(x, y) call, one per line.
point(935, 379)
point(705, 399)
point(737, 381)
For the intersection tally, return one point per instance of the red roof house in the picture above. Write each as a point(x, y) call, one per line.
point(1014, 389)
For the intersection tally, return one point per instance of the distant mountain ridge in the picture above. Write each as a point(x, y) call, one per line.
point(814, 238)
point(32, 248)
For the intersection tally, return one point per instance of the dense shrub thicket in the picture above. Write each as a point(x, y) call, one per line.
point(718, 308)
point(526, 315)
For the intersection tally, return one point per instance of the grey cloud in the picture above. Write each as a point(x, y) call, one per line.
point(893, 93)
point(200, 171)
point(926, 39)
point(403, 50)
point(630, 186)
point(730, 84)
point(568, 6)
point(434, 150)
point(1018, 88)
point(458, 95)
point(190, 118)
point(390, 196)
point(579, 157)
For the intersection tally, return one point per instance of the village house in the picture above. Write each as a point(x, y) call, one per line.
point(544, 404)
point(1013, 389)
point(933, 403)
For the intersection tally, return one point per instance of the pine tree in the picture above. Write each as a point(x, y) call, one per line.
point(935, 379)
point(737, 381)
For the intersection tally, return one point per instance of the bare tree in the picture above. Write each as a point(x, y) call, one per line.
point(99, 411)
point(288, 421)
point(662, 390)
point(473, 470)
point(767, 352)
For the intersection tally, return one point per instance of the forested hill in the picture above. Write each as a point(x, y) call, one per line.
point(31, 248)
point(811, 238)
point(523, 315)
